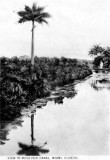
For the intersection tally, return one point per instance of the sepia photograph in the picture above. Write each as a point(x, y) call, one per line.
point(54, 79)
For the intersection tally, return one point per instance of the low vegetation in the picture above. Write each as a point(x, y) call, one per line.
point(21, 84)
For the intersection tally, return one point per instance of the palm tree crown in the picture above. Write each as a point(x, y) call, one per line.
point(95, 50)
point(35, 13)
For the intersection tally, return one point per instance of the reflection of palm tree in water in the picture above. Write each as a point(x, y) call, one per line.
point(31, 150)
point(94, 85)
point(32, 128)
point(3, 136)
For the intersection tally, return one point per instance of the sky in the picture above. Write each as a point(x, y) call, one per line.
point(75, 26)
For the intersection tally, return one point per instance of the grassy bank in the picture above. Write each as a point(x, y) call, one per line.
point(20, 85)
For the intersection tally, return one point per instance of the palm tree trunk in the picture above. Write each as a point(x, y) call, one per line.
point(32, 45)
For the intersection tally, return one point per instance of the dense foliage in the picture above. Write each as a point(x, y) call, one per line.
point(21, 84)
point(100, 55)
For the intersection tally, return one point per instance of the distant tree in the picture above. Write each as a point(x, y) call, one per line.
point(95, 50)
point(108, 49)
point(106, 53)
point(34, 14)
point(97, 61)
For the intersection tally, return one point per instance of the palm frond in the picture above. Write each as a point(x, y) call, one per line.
point(42, 17)
point(44, 21)
point(41, 20)
point(40, 9)
point(22, 13)
point(45, 15)
point(34, 7)
point(28, 9)
point(22, 20)
point(25, 17)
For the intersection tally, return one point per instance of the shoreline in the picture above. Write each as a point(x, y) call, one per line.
point(42, 102)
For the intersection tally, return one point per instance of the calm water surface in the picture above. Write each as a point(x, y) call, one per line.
point(78, 126)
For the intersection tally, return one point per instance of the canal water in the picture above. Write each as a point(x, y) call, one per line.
point(76, 125)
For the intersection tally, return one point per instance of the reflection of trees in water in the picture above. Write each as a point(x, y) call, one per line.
point(58, 100)
point(67, 91)
point(4, 132)
point(32, 150)
point(94, 85)
point(3, 136)
point(99, 84)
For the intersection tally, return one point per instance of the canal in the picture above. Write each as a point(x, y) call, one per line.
point(68, 125)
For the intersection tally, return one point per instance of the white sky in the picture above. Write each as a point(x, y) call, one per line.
point(75, 26)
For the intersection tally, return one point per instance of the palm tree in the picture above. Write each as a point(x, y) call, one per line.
point(34, 14)
point(95, 50)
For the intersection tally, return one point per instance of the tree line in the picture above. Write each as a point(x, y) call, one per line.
point(20, 85)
